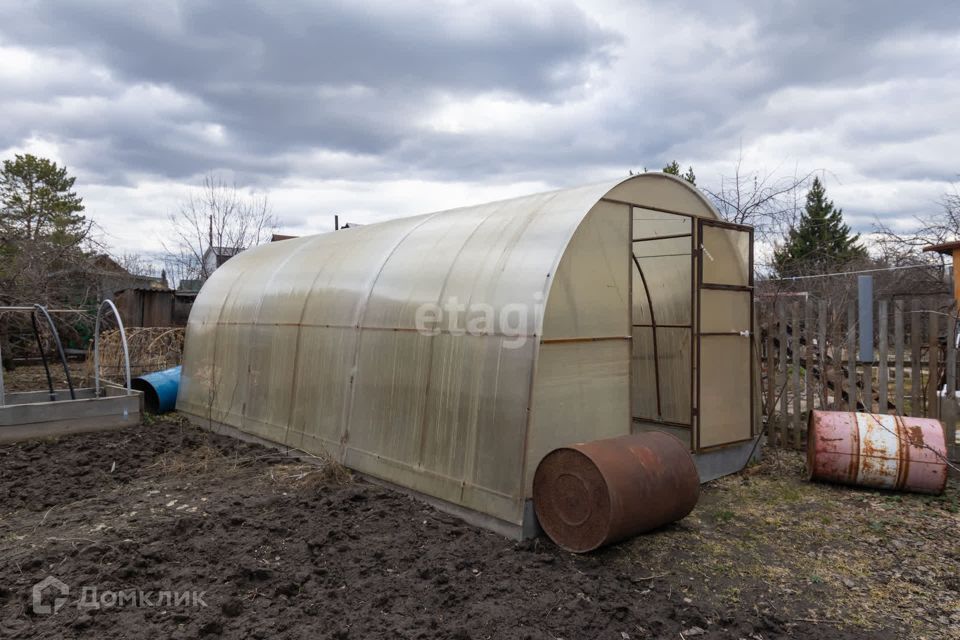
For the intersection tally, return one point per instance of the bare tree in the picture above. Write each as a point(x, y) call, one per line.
point(219, 216)
point(136, 264)
point(902, 248)
point(905, 248)
point(769, 201)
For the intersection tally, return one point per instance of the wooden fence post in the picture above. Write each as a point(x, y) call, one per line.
point(822, 355)
point(795, 361)
point(933, 365)
point(950, 403)
point(808, 354)
point(782, 424)
point(898, 338)
point(770, 409)
point(883, 371)
point(852, 355)
point(839, 382)
point(916, 373)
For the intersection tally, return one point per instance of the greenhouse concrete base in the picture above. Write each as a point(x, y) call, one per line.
point(726, 460)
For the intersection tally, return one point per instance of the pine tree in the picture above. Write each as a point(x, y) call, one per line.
point(674, 169)
point(820, 241)
point(37, 202)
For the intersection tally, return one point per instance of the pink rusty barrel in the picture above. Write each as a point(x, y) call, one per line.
point(879, 451)
point(595, 493)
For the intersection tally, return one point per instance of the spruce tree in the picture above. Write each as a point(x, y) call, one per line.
point(820, 242)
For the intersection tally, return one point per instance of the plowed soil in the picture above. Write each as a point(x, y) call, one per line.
point(281, 548)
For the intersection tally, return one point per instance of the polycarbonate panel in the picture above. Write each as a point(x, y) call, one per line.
point(497, 460)
point(674, 349)
point(666, 282)
point(394, 365)
point(663, 191)
point(582, 385)
point(675, 369)
point(726, 256)
point(683, 434)
point(648, 223)
point(590, 295)
point(582, 392)
point(644, 380)
point(396, 296)
point(724, 311)
point(319, 403)
point(269, 391)
point(725, 390)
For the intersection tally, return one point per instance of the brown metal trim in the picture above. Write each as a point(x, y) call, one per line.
point(699, 280)
point(753, 335)
point(648, 207)
point(630, 318)
point(431, 332)
point(701, 223)
point(666, 423)
point(732, 334)
point(653, 320)
point(653, 325)
point(574, 340)
point(694, 340)
point(726, 287)
point(665, 326)
point(716, 447)
point(723, 224)
point(667, 237)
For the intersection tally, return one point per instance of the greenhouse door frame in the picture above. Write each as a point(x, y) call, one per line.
point(655, 326)
point(701, 286)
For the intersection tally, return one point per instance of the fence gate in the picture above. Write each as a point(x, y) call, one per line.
point(724, 330)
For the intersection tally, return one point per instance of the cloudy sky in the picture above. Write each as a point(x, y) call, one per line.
point(379, 109)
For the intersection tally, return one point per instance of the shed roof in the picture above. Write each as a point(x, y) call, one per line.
point(946, 248)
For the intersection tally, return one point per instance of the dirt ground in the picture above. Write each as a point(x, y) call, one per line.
point(281, 548)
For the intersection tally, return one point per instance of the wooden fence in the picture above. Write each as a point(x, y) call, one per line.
point(808, 360)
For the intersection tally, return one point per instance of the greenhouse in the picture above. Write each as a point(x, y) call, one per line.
point(448, 353)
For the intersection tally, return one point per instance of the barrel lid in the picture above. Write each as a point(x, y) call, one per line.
point(572, 500)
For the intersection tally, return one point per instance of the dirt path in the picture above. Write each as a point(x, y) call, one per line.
point(282, 549)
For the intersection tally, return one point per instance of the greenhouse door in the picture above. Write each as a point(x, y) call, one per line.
point(724, 331)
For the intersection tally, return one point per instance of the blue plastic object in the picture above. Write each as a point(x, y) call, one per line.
point(159, 389)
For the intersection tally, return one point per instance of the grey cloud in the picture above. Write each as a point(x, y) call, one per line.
point(285, 79)
point(261, 68)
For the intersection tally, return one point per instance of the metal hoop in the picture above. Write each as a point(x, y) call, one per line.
point(96, 347)
point(56, 339)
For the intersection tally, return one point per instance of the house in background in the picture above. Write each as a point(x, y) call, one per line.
point(110, 277)
point(157, 307)
point(214, 257)
point(145, 307)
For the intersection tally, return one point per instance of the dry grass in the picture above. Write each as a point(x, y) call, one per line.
point(821, 552)
point(311, 476)
point(151, 349)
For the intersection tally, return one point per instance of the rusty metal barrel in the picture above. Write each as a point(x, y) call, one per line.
point(878, 451)
point(592, 494)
